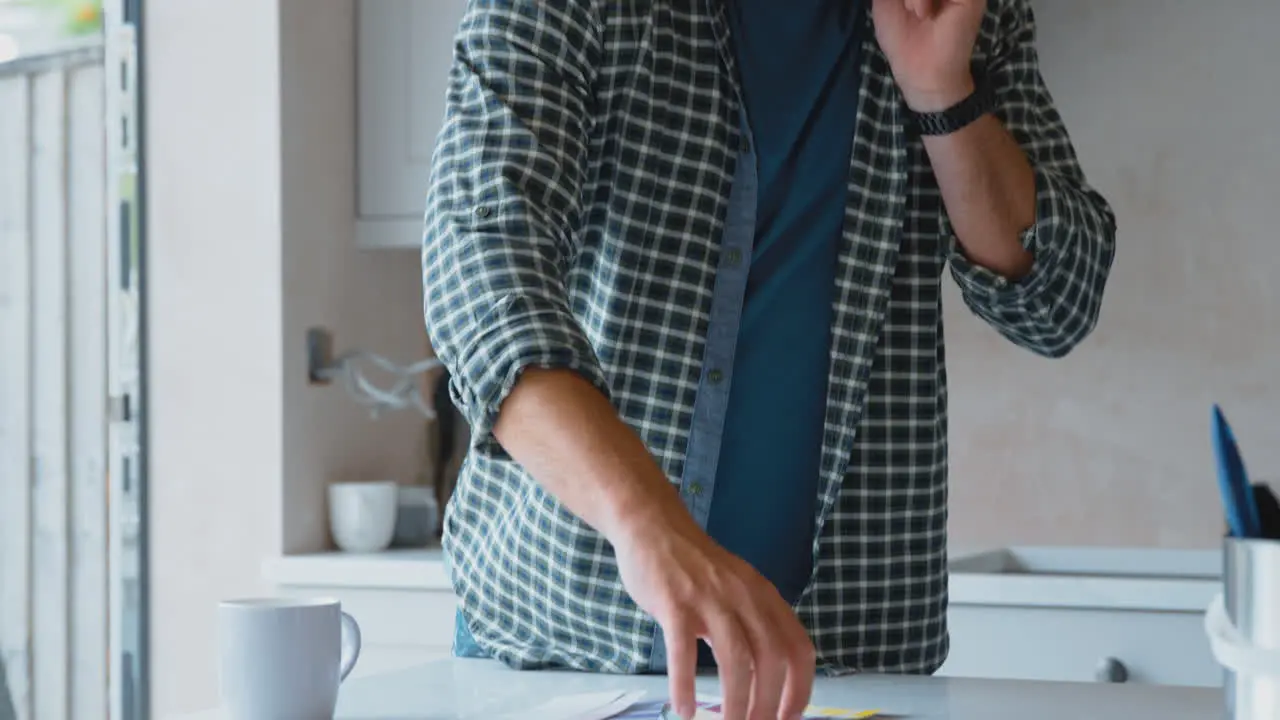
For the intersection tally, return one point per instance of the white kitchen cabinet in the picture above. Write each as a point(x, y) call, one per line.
point(1084, 615)
point(398, 628)
point(404, 50)
point(402, 601)
point(1076, 645)
point(1058, 614)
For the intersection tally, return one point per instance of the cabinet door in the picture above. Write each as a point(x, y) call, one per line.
point(402, 625)
point(405, 48)
point(1080, 645)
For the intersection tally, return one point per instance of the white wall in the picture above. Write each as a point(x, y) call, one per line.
point(250, 212)
point(1172, 104)
point(214, 341)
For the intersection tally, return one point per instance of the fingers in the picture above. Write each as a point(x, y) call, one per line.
point(895, 11)
point(784, 662)
point(682, 667)
point(800, 668)
point(766, 689)
point(923, 9)
point(733, 657)
point(768, 640)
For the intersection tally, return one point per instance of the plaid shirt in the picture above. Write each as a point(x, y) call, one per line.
point(577, 200)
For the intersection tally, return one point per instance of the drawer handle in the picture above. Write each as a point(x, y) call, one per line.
point(1111, 670)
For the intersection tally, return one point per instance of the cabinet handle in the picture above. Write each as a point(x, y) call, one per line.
point(1111, 670)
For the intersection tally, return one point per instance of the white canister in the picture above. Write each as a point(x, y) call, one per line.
point(1243, 625)
point(417, 519)
point(362, 515)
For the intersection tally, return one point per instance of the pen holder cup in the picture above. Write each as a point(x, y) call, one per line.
point(1243, 625)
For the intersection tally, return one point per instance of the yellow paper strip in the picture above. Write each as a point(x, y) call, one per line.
point(838, 714)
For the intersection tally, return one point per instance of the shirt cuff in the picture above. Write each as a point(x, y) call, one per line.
point(985, 286)
point(519, 333)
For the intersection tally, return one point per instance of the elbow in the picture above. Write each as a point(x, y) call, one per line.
point(1074, 314)
point(1063, 337)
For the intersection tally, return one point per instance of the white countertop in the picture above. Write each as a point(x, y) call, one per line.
point(422, 569)
point(1110, 578)
point(474, 689)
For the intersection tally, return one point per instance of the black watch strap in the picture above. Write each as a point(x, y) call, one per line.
point(958, 116)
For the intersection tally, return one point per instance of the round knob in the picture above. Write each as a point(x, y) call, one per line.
point(1111, 670)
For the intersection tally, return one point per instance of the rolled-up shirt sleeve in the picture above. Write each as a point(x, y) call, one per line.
point(504, 202)
point(1057, 304)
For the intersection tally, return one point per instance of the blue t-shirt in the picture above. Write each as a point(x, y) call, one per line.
point(799, 64)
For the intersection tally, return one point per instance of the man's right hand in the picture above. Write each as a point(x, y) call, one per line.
point(697, 590)
point(565, 432)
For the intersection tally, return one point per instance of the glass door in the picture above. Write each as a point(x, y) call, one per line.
point(73, 601)
point(64, 319)
point(70, 367)
point(126, 434)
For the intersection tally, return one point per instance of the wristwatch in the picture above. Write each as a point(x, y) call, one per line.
point(958, 116)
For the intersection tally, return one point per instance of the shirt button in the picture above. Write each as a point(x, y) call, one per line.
point(744, 143)
point(715, 376)
point(695, 489)
point(483, 211)
point(733, 257)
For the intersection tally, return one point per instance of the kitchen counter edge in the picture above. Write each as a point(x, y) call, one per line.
point(415, 569)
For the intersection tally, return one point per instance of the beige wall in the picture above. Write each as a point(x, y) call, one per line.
point(250, 165)
point(1172, 104)
point(371, 299)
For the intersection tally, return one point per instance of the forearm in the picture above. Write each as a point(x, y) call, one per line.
point(1029, 242)
point(989, 190)
point(565, 432)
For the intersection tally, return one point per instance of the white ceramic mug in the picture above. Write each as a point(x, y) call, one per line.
point(284, 658)
point(362, 515)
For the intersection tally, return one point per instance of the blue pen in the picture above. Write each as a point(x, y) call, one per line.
point(1233, 481)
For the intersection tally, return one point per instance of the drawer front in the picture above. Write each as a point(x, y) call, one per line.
point(400, 618)
point(378, 659)
point(1151, 648)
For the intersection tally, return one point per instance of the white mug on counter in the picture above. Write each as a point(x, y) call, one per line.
point(362, 515)
point(284, 658)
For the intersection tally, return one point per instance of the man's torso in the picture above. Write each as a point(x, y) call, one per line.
point(539, 588)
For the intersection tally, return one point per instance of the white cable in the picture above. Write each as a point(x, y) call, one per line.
point(403, 393)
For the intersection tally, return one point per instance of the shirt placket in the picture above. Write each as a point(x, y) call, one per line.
point(697, 486)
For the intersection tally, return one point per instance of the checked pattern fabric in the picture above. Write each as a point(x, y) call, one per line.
point(577, 195)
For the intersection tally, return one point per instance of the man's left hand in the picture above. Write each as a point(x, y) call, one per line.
point(929, 44)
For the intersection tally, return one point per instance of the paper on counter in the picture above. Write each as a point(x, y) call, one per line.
point(709, 709)
point(621, 705)
point(826, 713)
point(618, 705)
point(811, 713)
point(581, 706)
